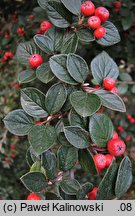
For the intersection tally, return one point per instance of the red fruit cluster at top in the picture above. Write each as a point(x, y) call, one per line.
point(116, 147)
point(117, 6)
point(44, 26)
point(20, 31)
point(92, 194)
point(35, 60)
point(33, 196)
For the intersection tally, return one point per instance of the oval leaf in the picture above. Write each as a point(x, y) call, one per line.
point(112, 35)
point(124, 177)
point(42, 138)
point(18, 122)
point(85, 104)
point(55, 98)
point(85, 35)
point(67, 157)
point(103, 66)
point(58, 64)
point(70, 186)
point(73, 6)
point(101, 129)
point(77, 67)
point(77, 136)
point(33, 102)
point(26, 76)
point(44, 43)
point(44, 73)
point(70, 43)
point(83, 191)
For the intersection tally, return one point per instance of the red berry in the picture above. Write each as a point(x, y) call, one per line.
point(12, 146)
point(128, 138)
point(115, 135)
point(20, 32)
point(100, 32)
point(129, 117)
point(92, 194)
point(87, 8)
point(102, 13)
point(94, 22)
point(33, 196)
point(115, 90)
point(117, 4)
point(132, 120)
point(100, 161)
point(116, 147)
point(35, 60)
point(109, 83)
point(44, 26)
point(109, 159)
point(116, 10)
point(38, 123)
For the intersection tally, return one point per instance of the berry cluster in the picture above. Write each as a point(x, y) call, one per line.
point(97, 17)
point(20, 32)
point(117, 6)
point(7, 56)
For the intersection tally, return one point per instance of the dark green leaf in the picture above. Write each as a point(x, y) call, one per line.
point(25, 50)
point(101, 129)
point(111, 101)
point(133, 89)
point(73, 6)
point(125, 77)
point(77, 67)
point(70, 43)
point(66, 196)
point(29, 158)
point(58, 14)
point(70, 186)
point(42, 138)
point(55, 98)
point(58, 64)
point(85, 35)
point(18, 122)
point(33, 102)
point(106, 189)
point(34, 181)
point(103, 66)
point(44, 73)
point(62, 139)
point(82, 192)
point(56, 35)
point(67, 157)
point(26, 76)
point(85, 104)
point(50, 164)
point(77, 136)
point(77, 120)
point(124, 177)
point(43, 3)
point(44, 43)
point(86, 161)
point(52, 196)
point(122, 89)
point(112, 35)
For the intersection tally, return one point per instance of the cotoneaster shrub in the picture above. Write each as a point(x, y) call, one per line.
point(67, 122)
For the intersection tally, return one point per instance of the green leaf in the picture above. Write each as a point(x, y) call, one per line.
point(49, 163)
point(62, 139)
point(111, 101)
point(56, 35)
point(124, 177)
point(85, 35)
point(67, 157)
point(66, 196)
point(36, 167)
point(103, 66)
point(58, 14)
point(112, 35)
point(106, 188)
point(127, 23)
point(58, 64)
point(42, 138)
point(77, 67)
point(125, 77)
point(77, 120)
point(101, 129)
point(34, 181)
point(73, 6)
point(44, 43)
point(87, 162)
point(52, 196)
point(70, 43)
point(82, 192)
point(29, 159)
point(122, 89)
point(77, 136)
point(26, 76)
point(44, 73)
point(55, 98)
point(133, 89)
point(70, 186)
point(43, 3)
point(18, 122)
point(25, 50)
point(85, 104)
point(33, 102)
